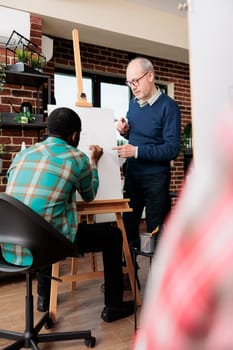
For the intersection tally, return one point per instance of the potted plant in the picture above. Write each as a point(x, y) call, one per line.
point(25, 117)
point(22, 55)
point(37, 61)
point(22, 60)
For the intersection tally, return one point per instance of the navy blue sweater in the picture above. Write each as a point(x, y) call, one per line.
point(155, 130)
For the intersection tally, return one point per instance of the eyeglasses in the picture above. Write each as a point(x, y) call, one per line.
point(135, 82)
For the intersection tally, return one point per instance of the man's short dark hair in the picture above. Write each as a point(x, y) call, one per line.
point(63, 122)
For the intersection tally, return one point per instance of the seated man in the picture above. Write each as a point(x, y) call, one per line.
point(46, 177)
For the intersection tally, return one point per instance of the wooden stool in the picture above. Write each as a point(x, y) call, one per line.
point(88, 210)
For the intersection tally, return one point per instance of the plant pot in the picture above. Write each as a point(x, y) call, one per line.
point(19, 67)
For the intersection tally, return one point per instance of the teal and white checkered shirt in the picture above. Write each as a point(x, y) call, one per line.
point(46, 177)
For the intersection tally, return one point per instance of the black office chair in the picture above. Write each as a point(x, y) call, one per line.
point(21, 226)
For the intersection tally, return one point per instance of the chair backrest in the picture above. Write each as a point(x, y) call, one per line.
point(20, 225)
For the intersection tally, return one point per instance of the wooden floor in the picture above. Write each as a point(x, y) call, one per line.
point(78, 310)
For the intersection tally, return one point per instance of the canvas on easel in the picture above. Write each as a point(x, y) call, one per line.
point(98, 128)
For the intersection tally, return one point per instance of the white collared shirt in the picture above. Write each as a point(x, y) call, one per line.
point(151, 100)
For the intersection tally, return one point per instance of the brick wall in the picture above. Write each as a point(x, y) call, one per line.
point(11, 99)
point(96, 59)
point(13, 95)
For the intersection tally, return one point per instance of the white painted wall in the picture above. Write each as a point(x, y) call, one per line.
point(211, 67)
point(11, 19)
point(121, 16)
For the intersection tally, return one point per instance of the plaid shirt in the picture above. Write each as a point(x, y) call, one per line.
point(45, 177)
point(189, 298)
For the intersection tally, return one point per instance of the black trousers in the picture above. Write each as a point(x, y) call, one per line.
point(105, 238)
point(151, 192)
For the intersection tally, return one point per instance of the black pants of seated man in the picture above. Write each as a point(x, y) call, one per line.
point(104, 238)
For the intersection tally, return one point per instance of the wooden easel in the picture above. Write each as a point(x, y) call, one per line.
point(81, 97)
point(88, 210)
point(117, 206)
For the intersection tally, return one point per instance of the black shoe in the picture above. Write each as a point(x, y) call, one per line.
point(110, 313)
point(42, 304)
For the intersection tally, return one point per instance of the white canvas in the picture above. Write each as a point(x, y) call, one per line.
point(98, 128)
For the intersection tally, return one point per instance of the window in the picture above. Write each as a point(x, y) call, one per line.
point(66, 89)
point(116, 97)
point(110, 92)
point(101, 91)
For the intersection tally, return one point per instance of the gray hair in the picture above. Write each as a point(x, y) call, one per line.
point(146, 64)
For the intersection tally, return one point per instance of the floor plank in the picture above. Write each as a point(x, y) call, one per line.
point(78, 310)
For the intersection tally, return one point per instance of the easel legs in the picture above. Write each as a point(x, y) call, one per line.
point(128, 259)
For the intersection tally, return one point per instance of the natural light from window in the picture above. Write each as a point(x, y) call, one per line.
point(66, 93)
point(116, 97)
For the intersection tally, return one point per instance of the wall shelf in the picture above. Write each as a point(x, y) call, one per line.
point(30, 79)
point(7, 121)
point(24, 78)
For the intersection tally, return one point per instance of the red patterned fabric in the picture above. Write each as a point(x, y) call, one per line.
point(189, 297)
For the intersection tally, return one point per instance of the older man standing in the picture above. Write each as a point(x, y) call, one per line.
point(152, 128)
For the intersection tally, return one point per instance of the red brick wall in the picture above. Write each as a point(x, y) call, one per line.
point(10, 101)
point(96, 59)
point(13, 95)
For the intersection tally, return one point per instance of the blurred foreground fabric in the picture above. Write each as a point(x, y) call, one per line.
point(188, 303)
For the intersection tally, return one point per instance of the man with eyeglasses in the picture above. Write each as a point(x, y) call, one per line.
point(152, 128)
